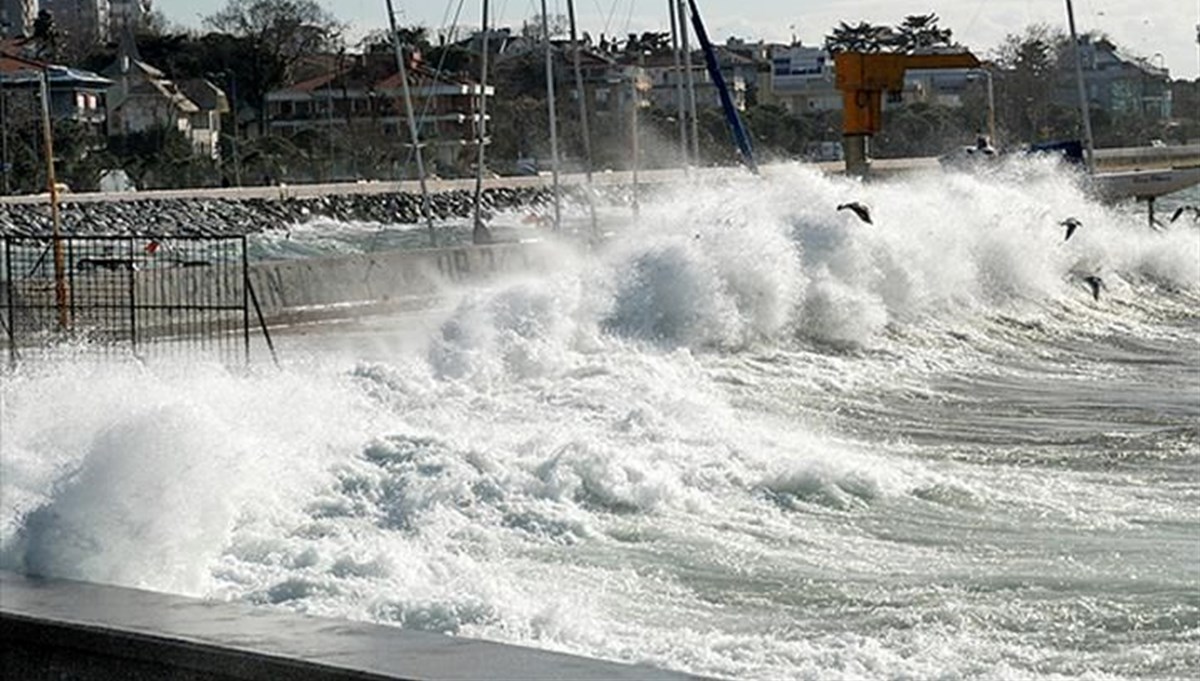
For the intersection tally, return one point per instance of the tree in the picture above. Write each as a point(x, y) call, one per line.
point(285, 30)
point(861, 38)
point(648, 43)
point(45, 34)
point(1025, 92)
point(919, 32)
point(558, 24)
point(155, 22)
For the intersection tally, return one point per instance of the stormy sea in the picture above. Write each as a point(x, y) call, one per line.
point(747, 436)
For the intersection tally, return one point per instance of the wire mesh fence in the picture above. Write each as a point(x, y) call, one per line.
point(145, 296)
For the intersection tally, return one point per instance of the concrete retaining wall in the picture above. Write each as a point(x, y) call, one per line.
point(58, 629)
point(330, 287)
point(288, 291)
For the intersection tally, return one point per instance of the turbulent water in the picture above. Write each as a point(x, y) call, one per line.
point(751, 437)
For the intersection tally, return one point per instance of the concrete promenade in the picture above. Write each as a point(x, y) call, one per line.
point(59, 629)
point(1108, 159)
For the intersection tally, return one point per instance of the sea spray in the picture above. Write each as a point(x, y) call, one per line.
point(750, 436)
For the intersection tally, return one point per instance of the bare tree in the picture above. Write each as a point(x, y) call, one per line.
point(287, 30)
point(1031, 71)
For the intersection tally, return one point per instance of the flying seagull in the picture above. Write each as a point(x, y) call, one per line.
point(1179, 211)
point(1071, 224)
point(859, 209)
point(1095, 283)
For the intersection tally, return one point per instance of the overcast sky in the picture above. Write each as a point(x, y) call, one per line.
point(1162, 30)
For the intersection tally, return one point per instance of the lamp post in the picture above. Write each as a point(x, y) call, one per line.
point(60, 282)
point(4, 138)
point(231, 80)
point(991, 102)
point(237, 158)
point(991, 109)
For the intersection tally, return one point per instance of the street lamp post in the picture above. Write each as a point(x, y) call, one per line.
point(991, 92)
point(4, 167)
point(231, 80)
point(237, 158)
point(60, 282)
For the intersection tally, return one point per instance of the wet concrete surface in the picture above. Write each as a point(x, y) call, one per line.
point(57, 629)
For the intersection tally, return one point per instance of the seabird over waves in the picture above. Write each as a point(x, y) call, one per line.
point(1071, 224)
point(859, 209)
point(1179, 211)
point(1095, 283)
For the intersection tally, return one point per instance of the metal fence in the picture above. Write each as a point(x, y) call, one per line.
point(142, 295)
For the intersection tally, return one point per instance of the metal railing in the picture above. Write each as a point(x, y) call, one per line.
point(145, 295)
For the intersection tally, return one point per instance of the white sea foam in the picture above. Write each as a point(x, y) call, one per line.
point(752, 436)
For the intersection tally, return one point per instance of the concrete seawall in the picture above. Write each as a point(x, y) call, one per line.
point(58, 629)
point(288, 291)
point(313, 288)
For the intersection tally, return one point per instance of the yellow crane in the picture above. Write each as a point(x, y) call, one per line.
point(863, 78)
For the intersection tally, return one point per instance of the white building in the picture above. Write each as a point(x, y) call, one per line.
point(801, 80)
point(143, 99)
point(664, 78)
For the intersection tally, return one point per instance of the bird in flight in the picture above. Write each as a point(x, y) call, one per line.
point(1180, 210)
point(1071, 224)
point(859, 209)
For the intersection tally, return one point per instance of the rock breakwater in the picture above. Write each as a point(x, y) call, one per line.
point(224, 216)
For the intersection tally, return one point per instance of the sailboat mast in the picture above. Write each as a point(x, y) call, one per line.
point(680, 113)
point(1083, 101)
point(635, 153)
point(583, 119)
point(553, 116)
point(581, 95)
point(480, 231)
point(691, 81)
point(60, 282)
point(412, 123)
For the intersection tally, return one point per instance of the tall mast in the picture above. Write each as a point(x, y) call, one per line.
point(553, 116)
point(732, 118)
point(583, 114)
point(412, 123)
point(1083, 102)
point(691, 82)
point(60, 282)
point(679, 107)
point(635, 101)
point(480, 233)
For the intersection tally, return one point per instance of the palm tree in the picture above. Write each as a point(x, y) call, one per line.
point(861, 38)
point(920, 32)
